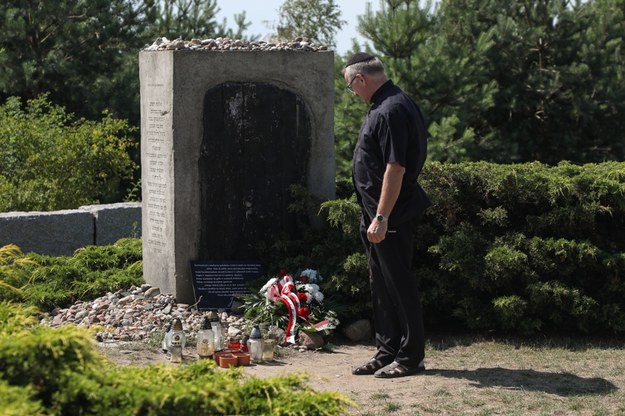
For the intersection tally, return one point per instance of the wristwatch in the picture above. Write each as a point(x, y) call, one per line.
point(380, 217)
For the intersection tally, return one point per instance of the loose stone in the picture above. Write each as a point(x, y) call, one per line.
point(136, 314)
point(298, 44)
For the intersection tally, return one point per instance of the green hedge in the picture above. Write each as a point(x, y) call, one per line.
point(45, 371)
point(48, 282)
point(50, 161)
point(524, 248)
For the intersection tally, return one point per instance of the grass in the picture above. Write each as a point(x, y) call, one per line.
point(392, 407)
point(472, 375)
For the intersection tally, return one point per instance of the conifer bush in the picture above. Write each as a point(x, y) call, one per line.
point(46, 371)
point(48, 282)
point(523, 248)
point(18, 401)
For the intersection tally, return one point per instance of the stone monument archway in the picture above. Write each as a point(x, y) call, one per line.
point(220, 145)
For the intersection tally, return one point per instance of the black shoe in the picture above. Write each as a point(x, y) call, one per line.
point(396, 369)
point(369, 368)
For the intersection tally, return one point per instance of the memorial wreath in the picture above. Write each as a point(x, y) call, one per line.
point(292, 304)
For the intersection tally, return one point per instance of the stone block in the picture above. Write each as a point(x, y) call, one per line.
point(223, 136)
point(57, 233)
point(311, 340)
point(115, 221)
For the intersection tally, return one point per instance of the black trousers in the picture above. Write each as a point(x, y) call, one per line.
point(397, 314)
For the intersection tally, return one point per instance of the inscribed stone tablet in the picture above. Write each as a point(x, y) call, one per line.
point(215, 283)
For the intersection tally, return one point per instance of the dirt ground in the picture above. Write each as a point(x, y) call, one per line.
point(464, 376)
point(332, 371)
point(328, 370)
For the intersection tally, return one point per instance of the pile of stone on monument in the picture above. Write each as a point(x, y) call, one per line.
point(223, 44)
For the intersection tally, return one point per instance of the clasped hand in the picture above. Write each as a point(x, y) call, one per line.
point(376, 233)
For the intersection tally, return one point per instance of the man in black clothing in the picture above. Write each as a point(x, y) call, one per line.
point(388, 158)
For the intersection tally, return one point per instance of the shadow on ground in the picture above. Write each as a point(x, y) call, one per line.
point(561, 384)
point(445, 341)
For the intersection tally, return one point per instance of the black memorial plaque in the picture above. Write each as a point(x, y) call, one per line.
point(215, 283)
point(256, 144)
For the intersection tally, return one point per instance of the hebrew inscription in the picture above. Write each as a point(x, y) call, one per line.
point(156, 182)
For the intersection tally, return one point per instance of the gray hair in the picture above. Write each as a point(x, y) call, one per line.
point(370, 67)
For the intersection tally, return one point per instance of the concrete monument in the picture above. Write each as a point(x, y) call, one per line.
point(224, 133)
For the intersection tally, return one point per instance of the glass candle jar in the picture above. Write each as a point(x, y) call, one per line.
point(205, 340)
point(166, 338)
point(255, 345)
point(175, 353)
point(177, 333)
point(176, 341)
point(269, 346)
point(217, 330)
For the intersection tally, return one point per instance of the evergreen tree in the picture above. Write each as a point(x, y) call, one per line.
point(448, 80)
point(317, 20)
point(84, 53)
point(557, 67)
point(187, 19)
point(348, 114)
point(509, 81)
point(77, 51)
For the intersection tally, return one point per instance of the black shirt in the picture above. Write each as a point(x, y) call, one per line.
point(393, 132)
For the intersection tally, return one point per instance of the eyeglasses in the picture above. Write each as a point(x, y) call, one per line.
point(349, 86)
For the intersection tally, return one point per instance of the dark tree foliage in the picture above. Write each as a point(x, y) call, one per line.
point(557, 65)
point(316, 20)
point(509, 81)
point(84, 53)
point(187, 19)
point(80, 52)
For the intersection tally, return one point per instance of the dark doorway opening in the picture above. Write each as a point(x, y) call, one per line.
point(256, 144)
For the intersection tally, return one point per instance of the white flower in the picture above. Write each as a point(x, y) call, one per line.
point(312, 275)
point(313, 291)
point(311, 288)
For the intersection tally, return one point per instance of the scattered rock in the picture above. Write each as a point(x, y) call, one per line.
point(125, 300)
point(358, 331)
point(141, 313)
point(152, 292)
point(311, 340)
point(57, 320)
point(105, 304)
point(80, 314)
point(234, 332)
point(134, 315)
point(277, 334)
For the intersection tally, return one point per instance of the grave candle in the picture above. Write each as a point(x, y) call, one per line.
point(205, 340)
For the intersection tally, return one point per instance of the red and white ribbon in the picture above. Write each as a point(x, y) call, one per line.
point(283, 290)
